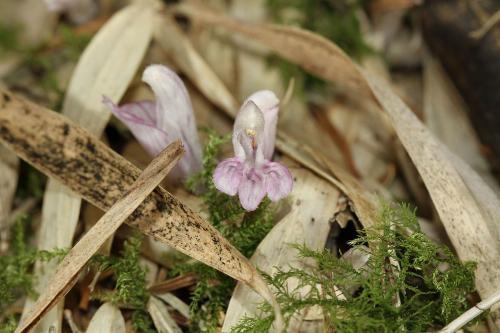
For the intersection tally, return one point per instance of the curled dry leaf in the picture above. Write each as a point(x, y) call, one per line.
point(108, 319)
point(453, 186)
point(106, 66)
point(67, 271)
point(313, 204)
point(81, 162)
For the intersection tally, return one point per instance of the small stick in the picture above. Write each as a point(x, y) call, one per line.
point(80, 254)
point(487, 26)
point(472, 313)
point(71, 323)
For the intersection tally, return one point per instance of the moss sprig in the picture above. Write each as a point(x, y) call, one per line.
point(16, 274)
point(130, 289)
point(431, 282)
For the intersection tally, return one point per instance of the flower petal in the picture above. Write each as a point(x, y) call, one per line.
point(228, 175)
point(278, 180)
point(268, 104)
point(174, 113)
point(252, 189)
point(139, 118)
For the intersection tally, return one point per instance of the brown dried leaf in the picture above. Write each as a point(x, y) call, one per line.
point(81, 162)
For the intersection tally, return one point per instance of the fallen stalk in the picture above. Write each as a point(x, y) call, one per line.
point(472, 313)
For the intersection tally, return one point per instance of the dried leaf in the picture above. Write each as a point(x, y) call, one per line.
point(161, 318)
point(67, 271)
point(313, 204)
point(72, 156)
point(108, 319)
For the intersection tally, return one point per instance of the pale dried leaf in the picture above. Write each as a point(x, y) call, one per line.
point(108, 319)
point(161, 318)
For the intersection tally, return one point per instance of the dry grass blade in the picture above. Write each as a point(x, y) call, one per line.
point(179, 48)
point(106, 66)
point(108, 319)
point(77, 159)
point(80, 254)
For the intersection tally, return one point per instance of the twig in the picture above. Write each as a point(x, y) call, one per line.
point(80, 254)
point(472, 313)
point(487, 26)
point(71, 323)
point(327, 126)
point(174, 284)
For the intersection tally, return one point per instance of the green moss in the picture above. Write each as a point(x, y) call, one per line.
point(335, 20)
point(243, 229)
point(430, 281)
point(130, 289)
point(15, 266)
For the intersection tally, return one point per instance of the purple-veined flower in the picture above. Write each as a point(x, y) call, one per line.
point(79, 11)
point(170, 117)
point(250, 173)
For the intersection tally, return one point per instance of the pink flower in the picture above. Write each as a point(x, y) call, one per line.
point(251, 174)
point(170, 117)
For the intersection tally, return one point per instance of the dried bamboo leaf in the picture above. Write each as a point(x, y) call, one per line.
point(179, 48)
point(81, 162)
point(67, 271)
point(106, 66)
point(108, 319)
point(161, 318)
point(314, 204)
